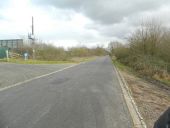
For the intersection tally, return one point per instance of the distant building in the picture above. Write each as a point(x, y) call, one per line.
point(12, 43)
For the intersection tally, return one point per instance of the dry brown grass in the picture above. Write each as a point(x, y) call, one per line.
point(151, 100)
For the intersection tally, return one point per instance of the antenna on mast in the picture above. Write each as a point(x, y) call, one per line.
point(32, 38)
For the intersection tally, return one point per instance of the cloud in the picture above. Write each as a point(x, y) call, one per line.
point(106, 11)
point(112, 19)
point(69, 22)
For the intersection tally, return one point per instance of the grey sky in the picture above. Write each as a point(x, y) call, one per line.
point(106, 11)
point(87, 21)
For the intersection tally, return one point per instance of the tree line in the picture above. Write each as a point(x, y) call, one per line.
point(44, 51)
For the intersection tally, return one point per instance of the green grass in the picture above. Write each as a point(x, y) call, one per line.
point(30, 61)
point(3, 60)
point(167, 82)
point(122, 66)
point(82, 59)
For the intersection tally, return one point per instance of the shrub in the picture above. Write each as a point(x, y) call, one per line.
point(147, 51)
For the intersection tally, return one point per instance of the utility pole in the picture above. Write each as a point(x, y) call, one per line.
point(32, 38)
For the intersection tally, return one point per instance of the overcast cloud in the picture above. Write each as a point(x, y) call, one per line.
point(106, 11)
point(74, 22)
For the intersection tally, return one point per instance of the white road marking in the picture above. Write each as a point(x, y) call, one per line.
point(37, 77)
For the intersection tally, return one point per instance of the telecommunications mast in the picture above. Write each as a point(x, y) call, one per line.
point(32, 38)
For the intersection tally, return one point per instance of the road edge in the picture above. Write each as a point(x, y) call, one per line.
point(137, 118)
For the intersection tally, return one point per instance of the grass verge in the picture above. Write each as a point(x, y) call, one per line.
point(121, 66)
point(152, 99)
point(31, 61)
point(132, 71)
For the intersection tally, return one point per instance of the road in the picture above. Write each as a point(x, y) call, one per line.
point(85, 96)
point(11, 73)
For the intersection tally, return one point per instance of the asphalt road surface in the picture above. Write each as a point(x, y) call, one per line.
point(13, 73)
point(85, 96)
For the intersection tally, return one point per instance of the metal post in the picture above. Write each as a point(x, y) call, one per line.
point(33, 39)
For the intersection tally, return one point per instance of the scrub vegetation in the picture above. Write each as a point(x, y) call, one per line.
point(147, 51)
point(50, 54)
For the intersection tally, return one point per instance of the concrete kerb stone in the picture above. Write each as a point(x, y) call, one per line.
point(137, 118)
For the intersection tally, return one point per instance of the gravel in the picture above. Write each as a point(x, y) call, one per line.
point(152, 100)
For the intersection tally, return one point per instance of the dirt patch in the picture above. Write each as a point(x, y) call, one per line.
point(152, 100)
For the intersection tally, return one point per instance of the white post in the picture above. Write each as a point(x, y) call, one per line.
point(25, 56)
point(7, 55)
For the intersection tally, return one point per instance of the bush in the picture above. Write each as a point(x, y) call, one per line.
point(85, 52)
point(147, 51)
point(50, 52)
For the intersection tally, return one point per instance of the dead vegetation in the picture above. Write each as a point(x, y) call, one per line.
point(147, 51)
point(152, 100)
point(50, 52)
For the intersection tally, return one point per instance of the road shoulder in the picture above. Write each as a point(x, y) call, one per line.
point(137, 118)
point(152, 100)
